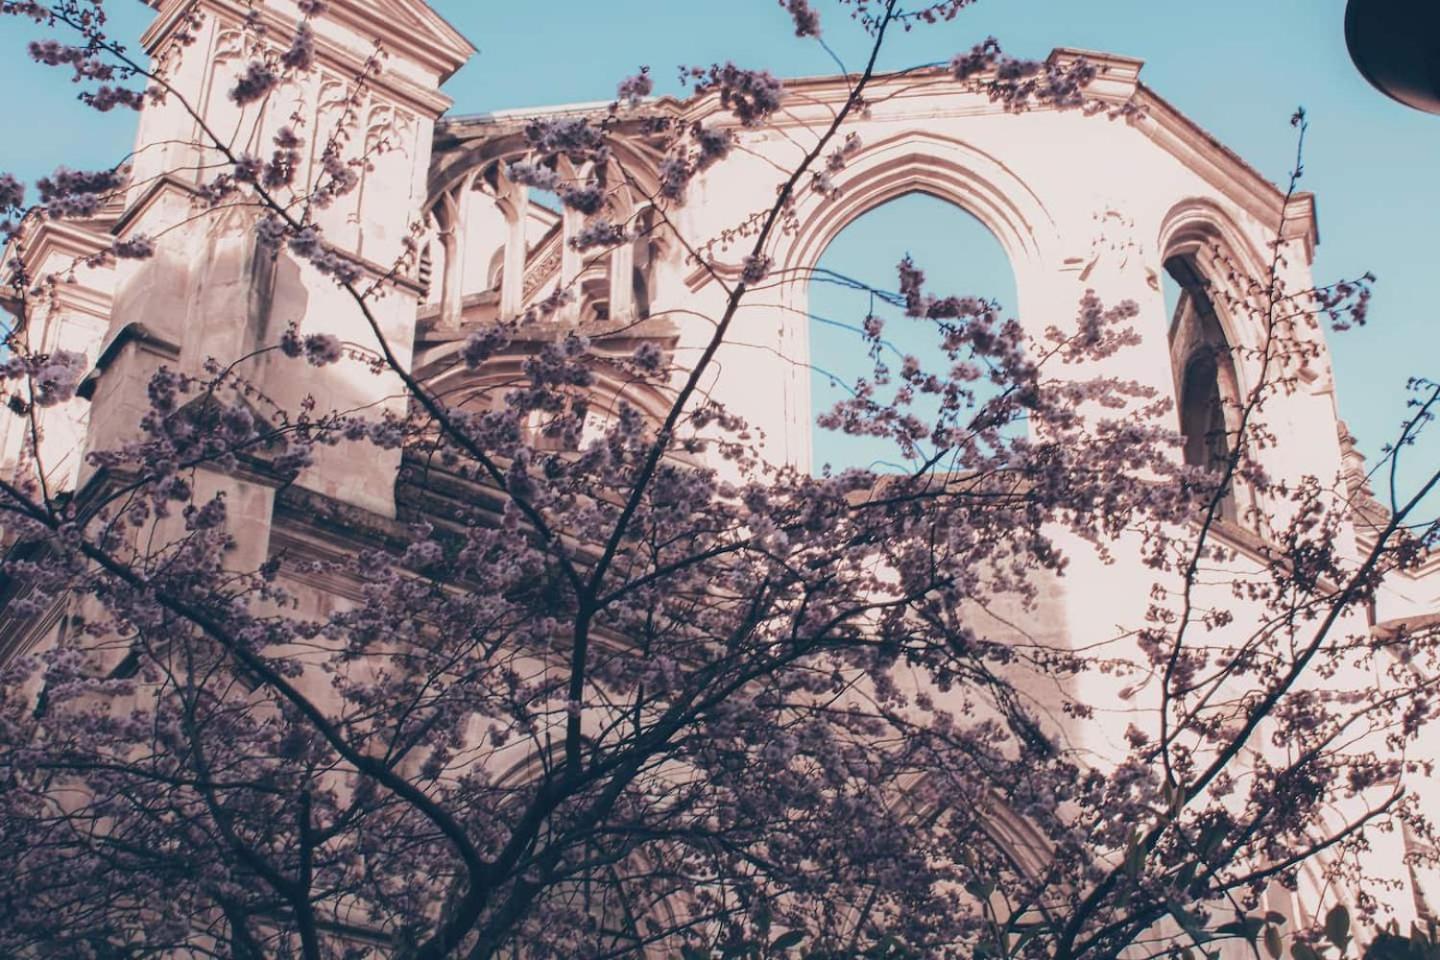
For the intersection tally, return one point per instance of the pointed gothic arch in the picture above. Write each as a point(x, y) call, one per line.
point(910, 162)
point(1214, 268)
point(1220, 253)
point(916, 161)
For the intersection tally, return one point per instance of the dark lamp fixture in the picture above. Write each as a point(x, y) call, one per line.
point(1396, 45)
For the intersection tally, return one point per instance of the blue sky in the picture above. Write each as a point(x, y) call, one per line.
point(1237, 67)
point(959, 256)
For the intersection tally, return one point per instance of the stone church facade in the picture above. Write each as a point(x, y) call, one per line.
point(1077, 202)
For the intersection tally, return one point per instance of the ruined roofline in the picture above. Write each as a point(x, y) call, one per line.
point(701, 104)
point(453, 128)
point(1162, 122)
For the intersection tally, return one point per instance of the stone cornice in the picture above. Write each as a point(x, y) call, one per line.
point(310, 526)
point(85, 299)
point(76, 240)
point(1302, 222)
point(1391, 630)
point(414, 29)
point(51, 238)
point(1116, 83)
point(148, 196)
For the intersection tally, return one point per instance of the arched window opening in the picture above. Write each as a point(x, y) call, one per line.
point(1207, 388)
point(959, 256)
point(1202, 416)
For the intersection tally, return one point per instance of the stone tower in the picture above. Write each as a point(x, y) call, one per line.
point(208, 292)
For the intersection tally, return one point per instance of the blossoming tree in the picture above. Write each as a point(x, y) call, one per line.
point(649, 692)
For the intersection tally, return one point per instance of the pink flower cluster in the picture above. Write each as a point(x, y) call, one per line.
point(752, 95)
point(73, 193)
point(636, 88)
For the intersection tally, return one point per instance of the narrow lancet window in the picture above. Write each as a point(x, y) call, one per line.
point(1207, 388)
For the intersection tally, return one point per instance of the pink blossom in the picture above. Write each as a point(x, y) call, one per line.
point(301, 54)
point(599, 232)
point(257, 80)
point(807, 21)
point(322, 349)
point(134, 247)
point(752, 95)
point(12, 193)
point(635, 88)
point(756, 268)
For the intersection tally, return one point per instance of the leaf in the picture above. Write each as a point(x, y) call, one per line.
point(1303, 951)
point(1276, 918)
point(1273, 945)
point(1337, 925)
point(787, 940)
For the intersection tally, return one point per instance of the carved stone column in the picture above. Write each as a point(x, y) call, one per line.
point(452, 241)
point(622, 282)
point(515, 203)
